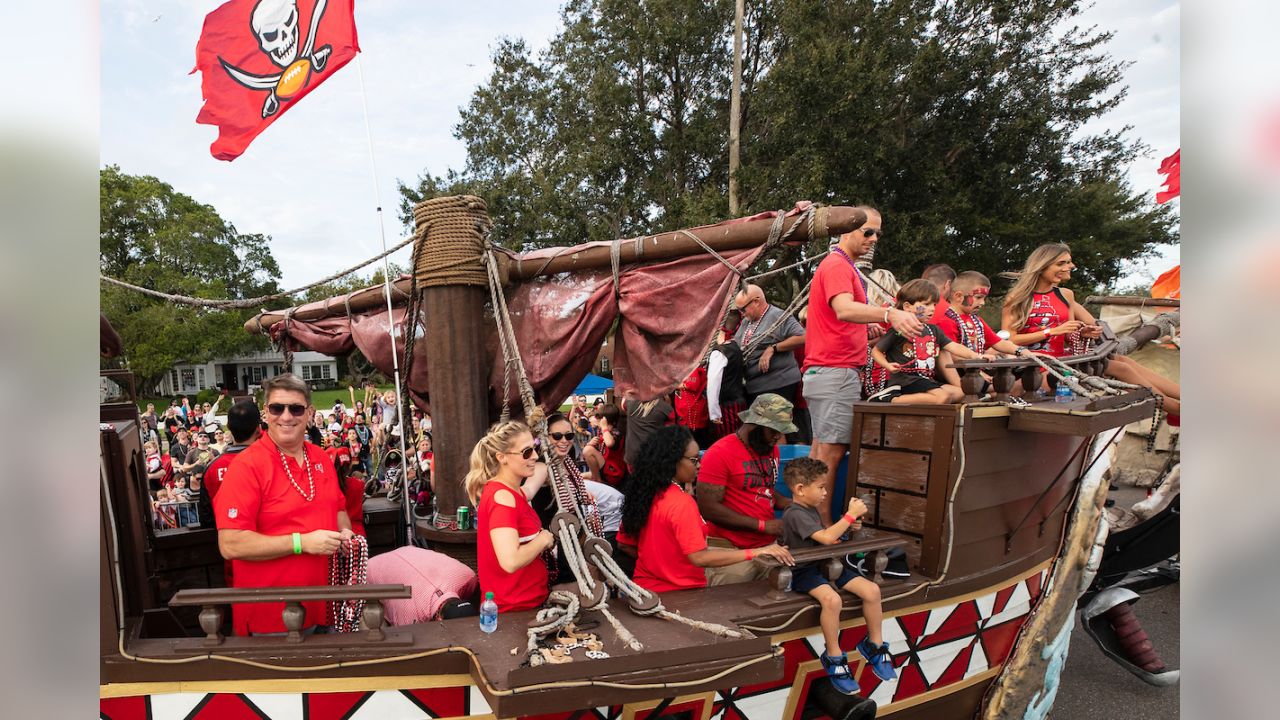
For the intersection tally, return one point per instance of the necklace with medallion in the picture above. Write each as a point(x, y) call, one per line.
point(306, 466)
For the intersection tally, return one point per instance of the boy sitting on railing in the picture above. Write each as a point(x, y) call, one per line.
point(917, 363)
point(801, 528)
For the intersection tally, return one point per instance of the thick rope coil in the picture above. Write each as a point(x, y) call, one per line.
point(562, 608)
point(452, 231)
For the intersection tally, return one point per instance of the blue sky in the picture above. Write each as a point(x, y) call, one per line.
point(307, 180)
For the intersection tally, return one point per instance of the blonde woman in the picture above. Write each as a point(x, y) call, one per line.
point(509, 538)
point(1039, 315)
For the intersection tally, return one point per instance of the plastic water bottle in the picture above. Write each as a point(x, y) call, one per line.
point(1063, 393)
point(488, 614)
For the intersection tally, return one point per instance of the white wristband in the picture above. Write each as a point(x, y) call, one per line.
point(886, 316)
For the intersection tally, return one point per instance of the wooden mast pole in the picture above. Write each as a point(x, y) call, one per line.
point(453, 290)
point(735, 108)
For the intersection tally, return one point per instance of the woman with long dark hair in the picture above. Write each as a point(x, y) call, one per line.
point(663, 523)
point(606, 453)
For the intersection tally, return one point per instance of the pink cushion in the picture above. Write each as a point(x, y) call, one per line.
point(434, 577)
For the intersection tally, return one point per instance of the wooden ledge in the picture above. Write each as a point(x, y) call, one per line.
point(223, 596)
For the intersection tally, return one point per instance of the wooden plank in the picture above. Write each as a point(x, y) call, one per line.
point(941, 479)
point(222, 596)
point(913, 432)
point(979, 557)
point(872, 433)
point(1080, 425)
point(902, 512)
point(907, 471)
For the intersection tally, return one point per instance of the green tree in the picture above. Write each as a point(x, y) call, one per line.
point(158, 238)
point(965, 122)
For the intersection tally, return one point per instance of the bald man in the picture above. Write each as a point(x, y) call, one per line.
point(767, 342)
point(941, 275)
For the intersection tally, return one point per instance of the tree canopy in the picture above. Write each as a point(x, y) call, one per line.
point(155, 237)
point(964, 122)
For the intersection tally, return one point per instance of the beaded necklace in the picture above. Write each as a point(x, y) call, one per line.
point(307, 466)
point(347, 567)
point(836, 249)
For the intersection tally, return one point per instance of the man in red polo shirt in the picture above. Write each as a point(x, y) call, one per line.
point(735, 486)
point(280, 510)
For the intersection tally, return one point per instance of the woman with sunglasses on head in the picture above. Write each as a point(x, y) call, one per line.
point(661, 524)
point(510, 539)
point(1042, 316)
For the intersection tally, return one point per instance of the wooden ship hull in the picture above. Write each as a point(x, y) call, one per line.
point(997, 508)
point(986, 510)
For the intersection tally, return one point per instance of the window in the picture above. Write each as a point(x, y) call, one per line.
point(306, 372)
point(173, 380)
point(200, 373)
point(324, 371)
point(317, 372)
point(604, 364)
point(255, 374)
point(188, 378)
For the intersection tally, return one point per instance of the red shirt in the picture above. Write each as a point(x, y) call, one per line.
point(829, 341)
point(354, 492)
point(673, 531)
point(940, 310)
point(256, 495)
point(974, 328)
point(748, 481)
point(525, 588)
point(1048, 310)
point(691, 400)
point(614, 469)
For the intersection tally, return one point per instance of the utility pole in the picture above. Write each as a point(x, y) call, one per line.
point(735, 105)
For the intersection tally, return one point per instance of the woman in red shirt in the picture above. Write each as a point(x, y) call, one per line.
point(606, 452)
point(1041, 315)
point(509, 538)
point(661, 524)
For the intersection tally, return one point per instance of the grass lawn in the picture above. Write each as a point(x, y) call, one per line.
point(322, 399)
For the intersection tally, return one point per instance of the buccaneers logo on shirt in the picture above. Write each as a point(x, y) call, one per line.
point(758, 476)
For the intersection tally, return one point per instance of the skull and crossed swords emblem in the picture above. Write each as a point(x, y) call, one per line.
point(275, 24)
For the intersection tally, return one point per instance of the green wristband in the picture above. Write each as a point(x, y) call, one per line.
point(297, 543)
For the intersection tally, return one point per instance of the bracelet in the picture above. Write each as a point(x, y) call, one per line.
point(886, 316)
point(749, 553)
point(1047, 334)
point(297, 543)
point(759, 525)
point(850, 519)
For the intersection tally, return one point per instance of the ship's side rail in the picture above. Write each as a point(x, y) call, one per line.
point(212, 601)
point(1005, 372)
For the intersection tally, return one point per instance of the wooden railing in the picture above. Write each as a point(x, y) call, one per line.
point(294, 614)
point(1005, 372)
point(831, 557)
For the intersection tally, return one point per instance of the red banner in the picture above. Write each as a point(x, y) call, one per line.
point(1171, 168)
point(258, 58)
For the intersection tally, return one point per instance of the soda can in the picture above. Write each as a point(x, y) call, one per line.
point(464, 518)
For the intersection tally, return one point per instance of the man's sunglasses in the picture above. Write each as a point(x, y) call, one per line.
point(560, 436)
point(868, 232)
point(294, 409)
point(527, 453)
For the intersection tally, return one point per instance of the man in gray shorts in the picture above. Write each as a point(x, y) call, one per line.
point(836, 344)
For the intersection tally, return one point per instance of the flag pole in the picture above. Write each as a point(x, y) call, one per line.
point(411, 324)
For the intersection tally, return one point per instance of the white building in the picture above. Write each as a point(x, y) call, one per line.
point(244, 371)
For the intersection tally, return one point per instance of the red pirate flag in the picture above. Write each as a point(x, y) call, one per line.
point(1171, 168)
point(259, 57)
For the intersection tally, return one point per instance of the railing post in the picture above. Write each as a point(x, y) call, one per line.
point(294, 614)
point(1002, 382)
point(211, 623)
point(971, 383)
point(371, 619)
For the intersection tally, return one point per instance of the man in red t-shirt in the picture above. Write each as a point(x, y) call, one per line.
point(836, 344)
point(735, 486)
point(941, 275)
point(280, 511)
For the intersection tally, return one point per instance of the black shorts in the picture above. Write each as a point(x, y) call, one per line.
point(919, 384)
point(806, 578)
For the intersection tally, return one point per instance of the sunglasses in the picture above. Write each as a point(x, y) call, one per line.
point(294, 409)
point(560, 436)
point(868, 232)
point(526, 453)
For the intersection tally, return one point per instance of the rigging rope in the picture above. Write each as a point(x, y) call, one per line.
point(229, 304)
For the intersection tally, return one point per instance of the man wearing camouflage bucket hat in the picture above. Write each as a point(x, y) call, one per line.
point(735, 486)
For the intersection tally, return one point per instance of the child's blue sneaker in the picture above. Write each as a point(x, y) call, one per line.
point(879, 658)
point(841, 676)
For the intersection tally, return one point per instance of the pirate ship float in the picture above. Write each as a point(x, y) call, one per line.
point(997, 506)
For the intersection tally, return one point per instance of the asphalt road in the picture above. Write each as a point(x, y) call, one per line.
point(1094, 687)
